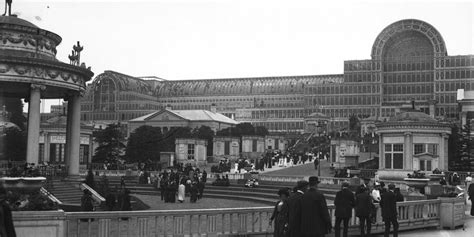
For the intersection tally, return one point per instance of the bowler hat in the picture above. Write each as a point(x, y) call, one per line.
point(301, 184)
point(313, 180)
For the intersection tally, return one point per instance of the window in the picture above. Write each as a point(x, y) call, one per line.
point(426, 148)
point(425, 165)
point(393, 156)
point(190, 151)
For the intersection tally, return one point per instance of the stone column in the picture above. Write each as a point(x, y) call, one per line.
point(32, 149)
point(408, 151)
point(46, 146)
point(443, 152)
point(73, 138)
point(381, 154)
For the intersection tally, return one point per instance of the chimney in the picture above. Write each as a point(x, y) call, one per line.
point(213, 108)
point(432, 107)
point(168, 107)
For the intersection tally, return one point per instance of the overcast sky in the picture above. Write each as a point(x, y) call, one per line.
point(201, 39)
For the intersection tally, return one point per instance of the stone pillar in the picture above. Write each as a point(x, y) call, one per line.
point(73, 136)
point(32, 149)
point(46, 146)
point(408, 151)
point(381, 154)
point(443, 152)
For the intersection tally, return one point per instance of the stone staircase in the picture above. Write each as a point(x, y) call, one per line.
point(69, 193)
point(266, 193)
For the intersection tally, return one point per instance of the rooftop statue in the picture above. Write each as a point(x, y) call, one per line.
point(8, 4)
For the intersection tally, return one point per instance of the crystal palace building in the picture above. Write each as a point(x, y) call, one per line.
point(409, 62)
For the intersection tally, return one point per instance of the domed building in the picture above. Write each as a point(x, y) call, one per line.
point(412, 140)
point(29, 70)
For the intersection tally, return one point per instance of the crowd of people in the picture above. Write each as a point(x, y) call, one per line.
point(303, 211)
point(176, 184)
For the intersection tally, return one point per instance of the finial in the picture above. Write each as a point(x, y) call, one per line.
point(8, 5)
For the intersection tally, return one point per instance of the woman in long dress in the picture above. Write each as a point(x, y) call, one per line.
point(181, 192)
point(280, 214)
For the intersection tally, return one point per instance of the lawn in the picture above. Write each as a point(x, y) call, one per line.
point(155, 203)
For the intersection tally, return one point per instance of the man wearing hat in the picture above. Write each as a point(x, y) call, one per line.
point(315, 219)
point(388, 203)
point(294, 203)
point(344, 203)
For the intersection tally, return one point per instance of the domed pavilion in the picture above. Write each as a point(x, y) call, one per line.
point(29, 70)
point(412, 140)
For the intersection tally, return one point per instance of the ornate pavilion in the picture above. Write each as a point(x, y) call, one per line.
point(29, 70)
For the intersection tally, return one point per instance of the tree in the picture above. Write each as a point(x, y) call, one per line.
point(206, 133)
point(261, 131)
point(144, 144)
point(14, 107)
point(169, 138)
point(466, 146)
point(14, 144)
point(110, 143)
point(354, 123)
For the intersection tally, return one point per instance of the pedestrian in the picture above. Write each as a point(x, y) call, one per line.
point(388, 203)
point(204, 176)
point(364, 205)
point(470, 192)
point(181, 192)
point(280, 214)
point(122, 182)
point(86, 201)
point(316, 163)
point(344, 203)
point(7, 228)
point(315, 219)
point(200, 186)
point(294, 204)
point(399, 195)
point(194, 192)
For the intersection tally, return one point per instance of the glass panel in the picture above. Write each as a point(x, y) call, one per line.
point(388, 160)
point(422, 165)
point(398, 161)
point(433, 149)
point(388, 147)
point(397, 147)
point(428, 165)
point(419, 148)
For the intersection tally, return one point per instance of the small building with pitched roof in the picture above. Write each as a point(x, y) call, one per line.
point(167, 119)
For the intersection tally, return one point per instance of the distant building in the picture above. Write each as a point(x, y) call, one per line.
point(59, 109)
point(344, 152)
point(408, 61)
point(190, 150)
point(253, 146)
point(466, 107)
point(167, 119)
point(52, 141)
point(226, 147)
point(412, 140)
point(276, 143)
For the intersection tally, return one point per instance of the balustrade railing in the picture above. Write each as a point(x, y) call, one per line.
point(211, 222)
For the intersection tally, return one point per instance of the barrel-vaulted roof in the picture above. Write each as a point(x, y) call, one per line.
point(124, 82)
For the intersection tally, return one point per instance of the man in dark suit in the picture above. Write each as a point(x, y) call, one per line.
point(344, 202)
point(388, 203)
point(294, 204)
point(364, 205)
point(315, 219)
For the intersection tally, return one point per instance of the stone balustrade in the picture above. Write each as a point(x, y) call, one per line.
point(205, 222)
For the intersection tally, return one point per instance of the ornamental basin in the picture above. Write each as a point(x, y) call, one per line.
point(22, 184)
point(416, 182)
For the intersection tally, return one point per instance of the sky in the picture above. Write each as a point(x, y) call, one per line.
point(203, 39)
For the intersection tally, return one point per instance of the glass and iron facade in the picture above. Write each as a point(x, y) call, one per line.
point(409, 62)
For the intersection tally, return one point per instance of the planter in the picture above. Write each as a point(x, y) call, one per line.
point(22, 184)
point(453, 212)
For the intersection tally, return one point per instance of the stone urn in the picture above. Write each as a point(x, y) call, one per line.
point(22, 184)
point(416, 186)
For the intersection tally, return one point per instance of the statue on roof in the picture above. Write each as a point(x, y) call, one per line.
point(8, 4)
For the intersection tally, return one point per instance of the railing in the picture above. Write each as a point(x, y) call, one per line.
point(95, 195)
point(217, 222)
